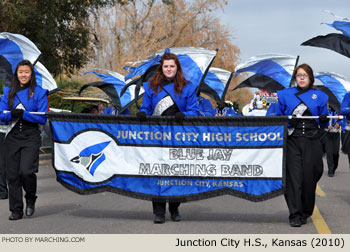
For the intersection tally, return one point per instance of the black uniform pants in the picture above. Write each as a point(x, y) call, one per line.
point(304, 169)
point(3, 184)
point(332, 149)
point(22, 157)
point(159, 208)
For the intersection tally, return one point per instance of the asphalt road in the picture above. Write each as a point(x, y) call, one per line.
point(60, 211)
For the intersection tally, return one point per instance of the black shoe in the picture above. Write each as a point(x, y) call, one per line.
point(15, 216)
point(159, 219)
point(175, 216)
point(5, 196)
point(331, 175)
point(30, 209)
point(295, 222)
point(303, 220)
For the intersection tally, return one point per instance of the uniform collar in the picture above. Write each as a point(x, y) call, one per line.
point(22, 88)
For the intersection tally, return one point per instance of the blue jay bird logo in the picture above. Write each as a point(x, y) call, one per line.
point(91, 157)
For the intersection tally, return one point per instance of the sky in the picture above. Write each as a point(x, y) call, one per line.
point(280, 26)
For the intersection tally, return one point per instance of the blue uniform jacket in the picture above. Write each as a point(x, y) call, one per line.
point(112, 110)
point(205, 107)
point(290, 98)
point(0, 103)
point(272, 110)
point(332, 122)
point(227, 111)
point(345, 106)
point(37, 103)
point(186, 102)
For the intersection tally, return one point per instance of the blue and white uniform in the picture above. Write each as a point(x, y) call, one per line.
point(37, 103)
point(345, 106)
point(271, 111)
point(304, 149)
point(157, 103)
point(289, 99)
point(3, 184)
point(345, 134)
point(22, 144)
point(112, 111)
point(205, 107)
point(167, 103)
point(332, 141)
point(228, 111)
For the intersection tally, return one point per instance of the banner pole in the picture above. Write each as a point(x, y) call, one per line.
point(32, 112)
point(339, 117)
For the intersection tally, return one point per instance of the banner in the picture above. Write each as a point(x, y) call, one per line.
point(168, 160)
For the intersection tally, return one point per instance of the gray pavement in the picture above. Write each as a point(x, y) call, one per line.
point(60, 211)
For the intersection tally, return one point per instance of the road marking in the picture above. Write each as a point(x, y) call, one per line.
point(320, 192)
point(320, 224)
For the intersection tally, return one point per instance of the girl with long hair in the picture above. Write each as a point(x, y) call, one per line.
point(22, 140)
point(168, 93)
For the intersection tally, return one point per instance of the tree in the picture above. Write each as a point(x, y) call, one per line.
point(60, 29)
point(135, 30)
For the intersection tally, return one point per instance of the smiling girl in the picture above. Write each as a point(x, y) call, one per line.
point(22, 141)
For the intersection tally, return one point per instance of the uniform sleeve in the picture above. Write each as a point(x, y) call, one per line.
point(42, 106)
point(280, 107)
point(324, 110)
point(147, 101)
point(192, 107)
point(272, 110)
point(125, 112)
point(5, 116)
point(206, 108)
point(345, 105)
point(342, 123)
point(107, 111)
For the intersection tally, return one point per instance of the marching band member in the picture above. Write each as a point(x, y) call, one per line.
point(3, 183)
point(228, 108)
point(168, 93)
point(271, 111)
point(23, 140)
point(332, 142)
point(205, 107)
point(345, 134)
point(304, 149)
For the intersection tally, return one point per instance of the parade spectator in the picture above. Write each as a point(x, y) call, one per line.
point(94, 109)
point(168, 93)
point(23, 140)
point(304, 149)
point(85, 111)
point(258, 111)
